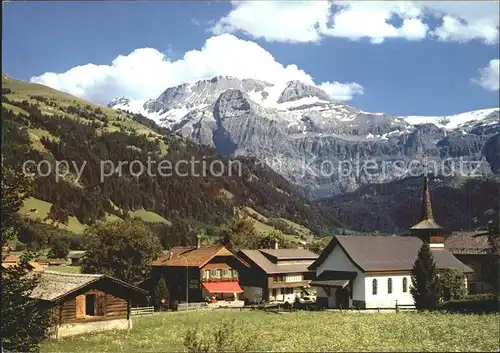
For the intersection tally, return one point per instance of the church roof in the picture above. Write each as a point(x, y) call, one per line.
point(387, 253)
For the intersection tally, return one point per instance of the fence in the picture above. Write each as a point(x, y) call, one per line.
point(145, 310)
point(191, 306)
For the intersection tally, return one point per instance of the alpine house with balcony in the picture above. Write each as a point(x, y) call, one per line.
point(276, 275)
point(200, 273)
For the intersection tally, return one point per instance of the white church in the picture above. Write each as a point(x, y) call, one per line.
point(375, 271)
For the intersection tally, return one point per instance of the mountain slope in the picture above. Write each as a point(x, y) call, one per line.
point(42, 124)
point(308, 138)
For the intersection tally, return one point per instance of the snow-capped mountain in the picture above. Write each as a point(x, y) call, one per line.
point(298, 130)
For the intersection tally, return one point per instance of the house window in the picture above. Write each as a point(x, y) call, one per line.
point(389, 285)
point(374, 287)
point(213, 273)
point(219, 273)
point(405, 285)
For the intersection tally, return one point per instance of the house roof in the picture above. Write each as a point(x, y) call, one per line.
point(192, 256)
point(387, 253)
point(259, 258)
point(55, 285)
point(467, 243)
point(13, 260)
point(290, 254)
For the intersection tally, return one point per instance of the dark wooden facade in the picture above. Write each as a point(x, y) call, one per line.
point(217, 269)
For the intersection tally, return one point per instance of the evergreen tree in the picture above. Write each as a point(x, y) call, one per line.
point(161, 293)
point(239, 233)
point(425, 283)
point(23, 324)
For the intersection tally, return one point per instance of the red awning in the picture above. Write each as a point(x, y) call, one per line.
point(222, 287)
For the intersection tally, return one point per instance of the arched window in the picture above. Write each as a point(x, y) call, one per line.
point(389, 285)
point(374, 287)
point(405, 285)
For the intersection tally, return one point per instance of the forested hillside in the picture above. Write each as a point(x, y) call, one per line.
point(458, 204)
point(40, 123)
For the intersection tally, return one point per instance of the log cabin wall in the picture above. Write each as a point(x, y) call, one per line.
point(93, 305)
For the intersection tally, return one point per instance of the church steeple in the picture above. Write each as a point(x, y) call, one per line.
point(427, 229)
point(426, 205)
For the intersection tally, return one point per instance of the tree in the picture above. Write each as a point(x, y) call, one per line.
point(424, 279)
point(238, 233)
point(494, 254)
point(269, 239)
point(161, 292)
point(452, 285)
point(58, 250)
point(122, 249)
point(23, 325)
point(317, 246)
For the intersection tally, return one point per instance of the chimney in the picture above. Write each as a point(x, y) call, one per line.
point(198, 241)
point(170, 255)
point(276, 244)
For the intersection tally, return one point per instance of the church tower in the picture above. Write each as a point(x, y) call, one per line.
point(427, 229)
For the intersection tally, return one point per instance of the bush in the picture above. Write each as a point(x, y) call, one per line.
point(481, 306)
point(484, 296)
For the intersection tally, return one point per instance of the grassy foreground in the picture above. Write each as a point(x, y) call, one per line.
point(301, 331)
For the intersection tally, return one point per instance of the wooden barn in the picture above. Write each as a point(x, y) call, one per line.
point(83, 303)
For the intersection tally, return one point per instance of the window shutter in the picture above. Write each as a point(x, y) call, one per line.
point(101, 304)
point(80, 306)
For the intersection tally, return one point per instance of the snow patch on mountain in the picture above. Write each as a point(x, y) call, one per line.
point(453, 121)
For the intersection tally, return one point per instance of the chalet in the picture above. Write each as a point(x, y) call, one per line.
point(375, 271)
point(83, 303)
point(474, 250)
point(276, 275)
point(52, 262)
point(13, 260)
point(76, 257)
point(200, 273)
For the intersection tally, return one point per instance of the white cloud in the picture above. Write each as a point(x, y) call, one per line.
point(146, 73)
point(489, 76)
point(342, 91)
point(309, 21)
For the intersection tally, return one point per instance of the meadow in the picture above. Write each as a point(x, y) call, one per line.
point(299, 332)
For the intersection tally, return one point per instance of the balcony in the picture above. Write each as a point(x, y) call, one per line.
point(220, 279)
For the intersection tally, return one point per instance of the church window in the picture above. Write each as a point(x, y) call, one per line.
point(389, 285)
point(405, 285)
point(374, 287)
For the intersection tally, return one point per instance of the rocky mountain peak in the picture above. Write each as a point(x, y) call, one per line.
point(295, 90)
point(118, 101)
point(231, 103)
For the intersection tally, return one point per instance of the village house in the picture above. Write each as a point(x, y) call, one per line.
point(13, 260)
point(199, 273)
point(83, 303)
point(276, 275)
point(375, 271)
point(474, 250)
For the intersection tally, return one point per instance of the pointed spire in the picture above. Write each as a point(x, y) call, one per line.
point(426, 204)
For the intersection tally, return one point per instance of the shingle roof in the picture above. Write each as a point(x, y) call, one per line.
point(387, 253)
point(191, 256)
point(467, 243)
point(261, 260)
point(54, 285)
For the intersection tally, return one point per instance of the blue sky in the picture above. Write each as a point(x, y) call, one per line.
point(374, 66)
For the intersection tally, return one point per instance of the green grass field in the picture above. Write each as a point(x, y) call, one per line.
point(300, 332)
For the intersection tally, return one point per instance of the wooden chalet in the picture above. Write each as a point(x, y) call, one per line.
point(13, 260)
point(474, 250)
point(277, 275)
point(200, 273)
point(83, 303)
